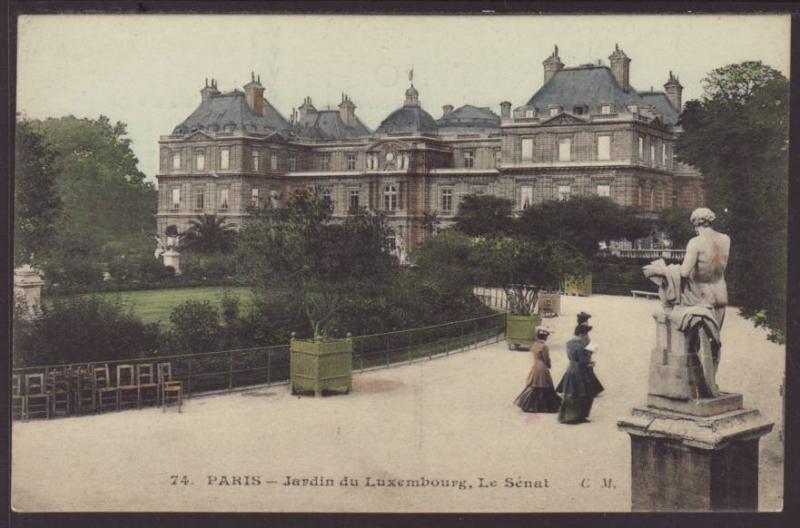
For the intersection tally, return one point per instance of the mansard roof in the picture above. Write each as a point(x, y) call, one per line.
point(408, 120)
point(469, 118)
point(328, 124)
point(662, 105)
point(230, 112)
point(589, 85)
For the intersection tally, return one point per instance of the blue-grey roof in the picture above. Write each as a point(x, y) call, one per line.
point(232, 111)
point(589, 85)
point(408, 120)
point(469, 118)
point(662, 105)
point(328, 124)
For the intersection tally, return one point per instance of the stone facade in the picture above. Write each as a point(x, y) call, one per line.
point(585, 131)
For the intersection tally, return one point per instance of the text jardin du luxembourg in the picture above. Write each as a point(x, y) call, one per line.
point(418, 482)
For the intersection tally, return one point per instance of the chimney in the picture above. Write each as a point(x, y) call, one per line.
point(306, 107)
point(674, 91)
point(347, 111)
point(254, 93)
point(551, 65)
point(620, 67)
point(446, 109)
point(209, 90)
point(505, 110)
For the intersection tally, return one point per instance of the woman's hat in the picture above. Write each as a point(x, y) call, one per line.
point(583, 317)
point(582, 329)
point(542, 332)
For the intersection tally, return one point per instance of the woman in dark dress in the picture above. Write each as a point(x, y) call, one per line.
point(579, 385)
point(583, 319)
point(539, 396)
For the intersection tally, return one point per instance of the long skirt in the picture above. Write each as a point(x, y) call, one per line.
point(574, 409)
point(538, 400)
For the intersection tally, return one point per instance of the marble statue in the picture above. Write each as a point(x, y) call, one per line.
point(694, 296)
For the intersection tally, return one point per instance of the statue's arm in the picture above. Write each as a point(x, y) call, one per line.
point(690, 259)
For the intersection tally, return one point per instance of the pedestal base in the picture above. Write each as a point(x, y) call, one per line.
point(683, 462)
point(723, 403)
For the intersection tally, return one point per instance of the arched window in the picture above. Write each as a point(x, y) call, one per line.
point(390, 198)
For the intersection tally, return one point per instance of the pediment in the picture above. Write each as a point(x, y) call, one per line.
point(390, 145)
point(197, 134)
point(564, 119)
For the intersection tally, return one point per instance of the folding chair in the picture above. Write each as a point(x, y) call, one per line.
point(37, 401)
point(146, 380)
point(103, 388)
point(127, 389)
point(171, 390)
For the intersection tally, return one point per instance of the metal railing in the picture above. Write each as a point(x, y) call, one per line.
point(238, 369)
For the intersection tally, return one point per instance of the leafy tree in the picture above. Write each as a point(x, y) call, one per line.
point(675, 222)
point(484, 214)
point(36, 201)
point(208, 233)
point(739, 139)
point(105, 198)
point(581, 222)
point(320, 262)
point(523, 267)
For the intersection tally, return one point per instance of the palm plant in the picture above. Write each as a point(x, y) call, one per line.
point(208, 233)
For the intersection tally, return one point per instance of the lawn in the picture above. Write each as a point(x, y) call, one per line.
point(155, 306)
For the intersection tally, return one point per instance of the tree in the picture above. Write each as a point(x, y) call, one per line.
point(208, 233)
point(581, 222)
point(105, 198)
point(195, 327)
point(36, 201)
point(484, 214)
point(321, 263)
point(675, 222)
point(738, 82)
point(523, 267)
point(738, 137)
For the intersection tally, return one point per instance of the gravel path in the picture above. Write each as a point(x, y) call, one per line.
point(420, 432)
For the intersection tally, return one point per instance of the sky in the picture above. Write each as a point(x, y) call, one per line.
point(147, 70)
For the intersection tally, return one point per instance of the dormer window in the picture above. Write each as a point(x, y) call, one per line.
point(529, 113)
point(634, 109)
point(606, 109)
point(578, 110)
point(554, 111)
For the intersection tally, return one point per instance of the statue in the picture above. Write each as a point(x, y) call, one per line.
point(694, 296)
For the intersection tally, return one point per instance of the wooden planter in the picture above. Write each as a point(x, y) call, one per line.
point(549, 304)
point(521, 330)
point(578, 285)
point(317, 366)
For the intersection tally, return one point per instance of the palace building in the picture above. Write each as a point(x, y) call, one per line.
point(585, 131)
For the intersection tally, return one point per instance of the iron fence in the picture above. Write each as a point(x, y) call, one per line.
point(238, 369)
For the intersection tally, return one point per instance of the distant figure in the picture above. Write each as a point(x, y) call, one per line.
point(695, 294)
point(579, 385)
point(583, 320)
point(539, 396)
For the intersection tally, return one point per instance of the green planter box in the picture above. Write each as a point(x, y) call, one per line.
point(578, 285)
point(521, 330)
point(317, 366)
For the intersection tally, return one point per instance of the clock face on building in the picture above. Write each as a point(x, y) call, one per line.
point(389, 156)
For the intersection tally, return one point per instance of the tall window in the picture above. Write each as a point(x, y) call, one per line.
point(447, 200)
point(225, 158)
point(469, 158)
point(200, 159)
point(604, 147)
point(176, 160)
point(641, 148)
point(176, 198)
point(564, 192)
point(223, 199)
point(525, 196)
point(390, 198)
point(604, 190)
point(255, 199)
point(292, 161)
point(273, 161)
point(325, 162)
point(326, 194)
point(255, 156)
point(498, 157)
point(652, 153)
point(564, 149)
point(664, 154)
point(351, 161)
point(354, 199)
point(527, 149)
point(199, 198)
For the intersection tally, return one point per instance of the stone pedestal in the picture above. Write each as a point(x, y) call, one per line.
point(172, 258)
point(28, 290)
point(686, 462)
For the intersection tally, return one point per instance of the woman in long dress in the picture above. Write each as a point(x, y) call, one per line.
point(579, 384)
point(539, 396)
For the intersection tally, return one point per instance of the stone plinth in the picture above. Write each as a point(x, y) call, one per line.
point(172, 258)
point(691, 462)
point(675, 372)
point(28, 290)
point(704, 407)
